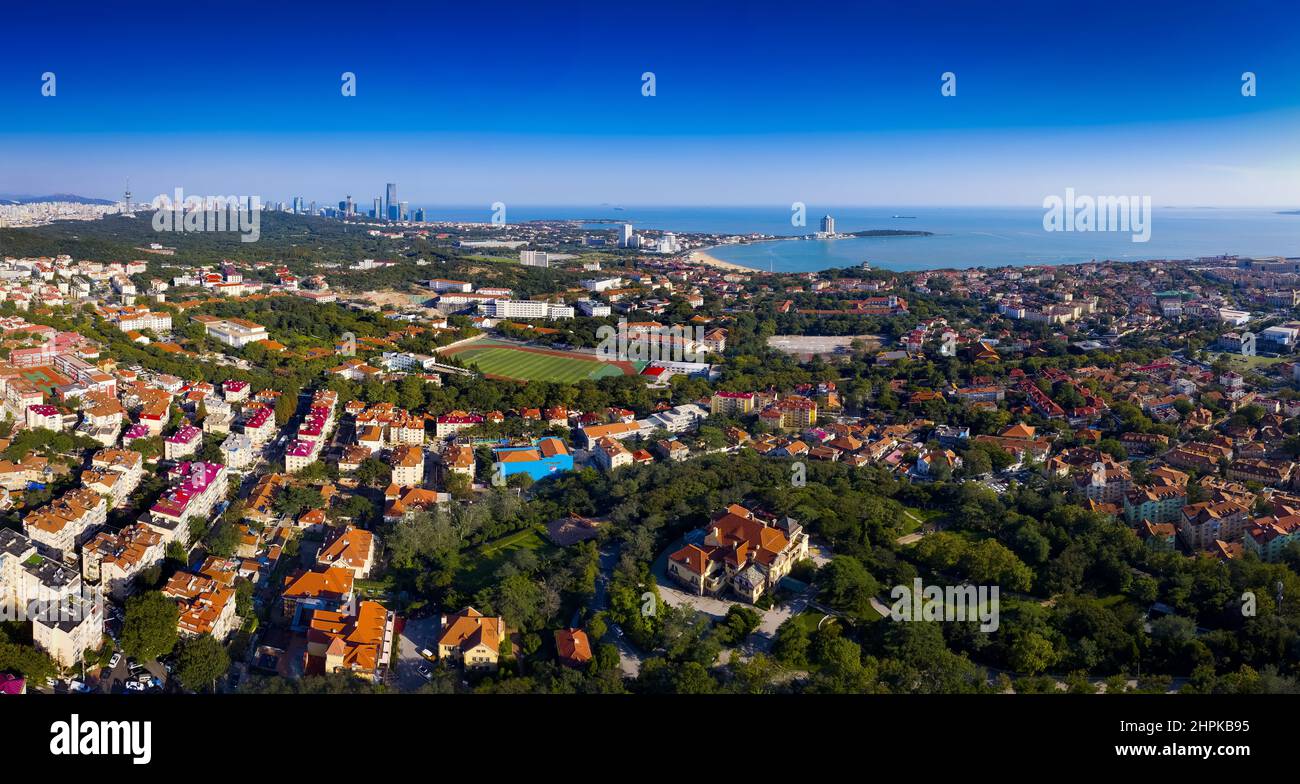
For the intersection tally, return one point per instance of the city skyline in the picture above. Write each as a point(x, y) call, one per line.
point(1043, 101)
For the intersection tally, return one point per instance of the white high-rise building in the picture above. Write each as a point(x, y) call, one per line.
point(625, 236)
point(828, 225)
point(533, 258)
point(667, 243)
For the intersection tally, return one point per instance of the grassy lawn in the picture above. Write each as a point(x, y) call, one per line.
point(527, 539)
point(807, 620)
point(529, 366)
point(374, 589)
point(918, 517)
point(1116, 601)
point(484, 561)
point(1239, 362)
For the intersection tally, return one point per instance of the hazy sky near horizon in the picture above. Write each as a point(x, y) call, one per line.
point(757, 103)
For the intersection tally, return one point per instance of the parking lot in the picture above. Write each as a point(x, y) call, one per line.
point(418, 634)
point(144, 678)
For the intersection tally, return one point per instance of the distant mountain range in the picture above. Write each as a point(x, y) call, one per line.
point(22, 198)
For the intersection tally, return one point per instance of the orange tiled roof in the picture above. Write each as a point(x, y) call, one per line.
point(572, 645)
point(327, 581)
point(347, 546)
point(469, 627)
point(357, 639)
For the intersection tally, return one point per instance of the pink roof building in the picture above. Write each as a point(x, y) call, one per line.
point(185, 435)
point(12, 684)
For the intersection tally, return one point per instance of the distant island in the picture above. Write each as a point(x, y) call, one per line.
point(890, 233)
point(1288, 212)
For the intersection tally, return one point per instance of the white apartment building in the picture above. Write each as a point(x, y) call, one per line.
point(64, 624)
point(44, 416)
point(235, 332)
point(60, 527)
point(526, 309)
point(300, 454)
point(677, 419)
point(610, 453)
point(400, 361)
point(200, 487)
point(408, 466)
point(156, 320)
point(259, 426)
point(112, 560)
point(590, 307)
point(237, 451)
point(602, 284)
point(129, 464)
point(442, 284)
point(68, 629)
point(116, 473)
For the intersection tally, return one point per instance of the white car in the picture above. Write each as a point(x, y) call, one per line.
point(134, 686)
point(116, 660)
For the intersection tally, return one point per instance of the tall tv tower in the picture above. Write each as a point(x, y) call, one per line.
point(126, 197)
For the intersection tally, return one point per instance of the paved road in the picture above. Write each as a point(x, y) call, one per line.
point(819, 554)
point(916, 536)
point(629, 657)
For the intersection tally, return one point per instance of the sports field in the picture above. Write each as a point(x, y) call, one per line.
point(523, 363)
point(44, 378)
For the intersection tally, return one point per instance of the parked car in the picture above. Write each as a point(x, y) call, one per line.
point(134, 686)
point(116, 660)
point(428, 654)
point(424, 672)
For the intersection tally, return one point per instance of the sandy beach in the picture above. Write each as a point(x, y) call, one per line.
point(703, 257)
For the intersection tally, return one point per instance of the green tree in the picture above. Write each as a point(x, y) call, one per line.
point(224, 539)
point(1031, 653)
point(520, 601)
point(200, 662)
point(27, 661)
point(737, 624)
point(149, 627)
point(847, 586)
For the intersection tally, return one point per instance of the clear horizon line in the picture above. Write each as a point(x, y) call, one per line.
point(747, 205)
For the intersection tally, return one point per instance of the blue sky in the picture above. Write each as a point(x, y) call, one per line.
point(540, 103)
